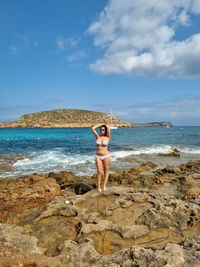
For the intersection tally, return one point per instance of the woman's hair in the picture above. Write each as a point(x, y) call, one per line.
point(106, 130)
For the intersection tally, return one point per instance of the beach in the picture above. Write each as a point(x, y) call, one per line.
point(149, 216)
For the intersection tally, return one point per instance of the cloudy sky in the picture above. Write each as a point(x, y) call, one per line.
point(140, 58)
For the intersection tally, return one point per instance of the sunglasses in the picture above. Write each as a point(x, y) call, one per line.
point(102, 129)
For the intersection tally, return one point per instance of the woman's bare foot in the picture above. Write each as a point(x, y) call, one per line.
point(104, 188)
point(99, 189)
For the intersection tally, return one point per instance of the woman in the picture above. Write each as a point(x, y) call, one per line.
point(102, 154)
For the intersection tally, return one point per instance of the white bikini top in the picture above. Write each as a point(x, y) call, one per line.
point(102, 143)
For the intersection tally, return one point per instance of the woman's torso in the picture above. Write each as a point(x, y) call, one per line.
point(102, 146)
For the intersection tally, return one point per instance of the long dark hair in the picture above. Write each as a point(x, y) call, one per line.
point(106, 130)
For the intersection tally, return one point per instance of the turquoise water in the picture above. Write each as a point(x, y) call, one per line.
point(43, 150)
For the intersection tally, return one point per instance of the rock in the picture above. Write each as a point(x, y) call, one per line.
point(6, 166)
point(176, 258)
point(52, 231)
point(134, 231)
point(196, 175)
point(81, 188)
point(58, 207)
point(168, 169)
point(192, 192)
point(25, 195)
point(171, 154)
point(63, 178)
point(15, 238)
point(140, 223)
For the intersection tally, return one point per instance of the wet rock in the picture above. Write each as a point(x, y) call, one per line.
point(174, 153)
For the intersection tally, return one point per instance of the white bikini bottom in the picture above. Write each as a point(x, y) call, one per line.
point(102, 157)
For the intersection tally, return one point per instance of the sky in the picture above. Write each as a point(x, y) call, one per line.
point(140, 59)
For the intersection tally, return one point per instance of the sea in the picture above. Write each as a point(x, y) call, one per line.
point(27, 151)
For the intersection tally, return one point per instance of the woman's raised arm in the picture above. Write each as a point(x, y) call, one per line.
point(108, 132)
point(94, 130)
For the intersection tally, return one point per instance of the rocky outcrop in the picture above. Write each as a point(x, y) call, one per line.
point(148, 217)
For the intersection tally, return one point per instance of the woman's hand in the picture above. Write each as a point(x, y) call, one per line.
point(97, 126)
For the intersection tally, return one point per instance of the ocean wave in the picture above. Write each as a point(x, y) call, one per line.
point(57, 158)
point(160, 149)
point(189, 150)
point(51, 158)
point(83, 164)
point(54, 160)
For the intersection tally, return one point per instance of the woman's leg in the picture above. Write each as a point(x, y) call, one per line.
point(99, 172)
point(106, 165)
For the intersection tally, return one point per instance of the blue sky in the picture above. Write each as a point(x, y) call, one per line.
point(140, 58)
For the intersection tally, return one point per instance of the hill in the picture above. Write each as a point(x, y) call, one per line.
point(64, 118)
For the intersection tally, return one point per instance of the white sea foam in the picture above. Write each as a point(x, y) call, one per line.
point(187, 150)
point(161, 149)
point(56, 160)
point(51, 159)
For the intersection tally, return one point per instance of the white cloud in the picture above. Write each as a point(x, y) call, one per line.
point(63, 44)
point(76, 56)
point(184, 18)
point(23, 42)
point(183, 110)
point(139, 38)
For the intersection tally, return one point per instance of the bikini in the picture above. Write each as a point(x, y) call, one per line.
point(104, 143)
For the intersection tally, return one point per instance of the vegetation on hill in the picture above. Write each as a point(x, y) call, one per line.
point(61, 118)
point(72, 118)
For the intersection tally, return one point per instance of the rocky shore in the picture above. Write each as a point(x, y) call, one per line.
point(148, 217)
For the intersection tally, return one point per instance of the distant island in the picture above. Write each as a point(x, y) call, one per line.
point(160, 124)
point(71, 118)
